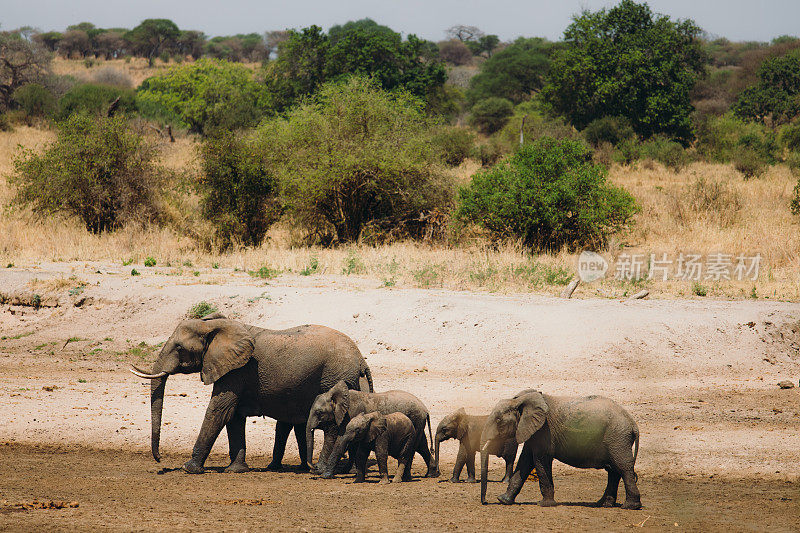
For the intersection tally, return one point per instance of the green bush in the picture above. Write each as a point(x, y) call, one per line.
point(97, 169)
point(611, 130)
point(201, 309)
point(793, 161)
point(491, 114)
point(790, 136)
point(150, 262)
point(669, 153)
point(794, 205)
point(627, 152)
point(488, 153)
point(95, 99)
point(357, 157)
point(237, 189)
point(722, 138)
point(36, 100)
point(455, 144)
point(5, 124)
point(207, 96)
point(548, 195)
point(749, 162)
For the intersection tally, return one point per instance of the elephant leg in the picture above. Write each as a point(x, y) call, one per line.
point(623, 462)
point(383, 467)
point(544, 470)
point(282, 430)
point(471, 468)
point(609, 497)
point(632, 497)
point(461, 460)
point(300, 437)
point(327, 447)
point(521, 473)
point(422, 449)
point(235, 429)
point(224, 399)
point(360, 460)
point(509, 459)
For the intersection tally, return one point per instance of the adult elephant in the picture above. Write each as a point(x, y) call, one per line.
point(255, 372)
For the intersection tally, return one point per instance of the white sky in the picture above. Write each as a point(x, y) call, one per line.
point(736, 19)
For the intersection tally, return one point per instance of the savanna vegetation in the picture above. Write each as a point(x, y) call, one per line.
point(468, 163)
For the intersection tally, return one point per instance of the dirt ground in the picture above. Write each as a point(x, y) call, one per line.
point(720, 441)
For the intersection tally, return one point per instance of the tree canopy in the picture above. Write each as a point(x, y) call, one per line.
point(776, 95)
point(629, 62)
point(310, 58)
point(513, 73)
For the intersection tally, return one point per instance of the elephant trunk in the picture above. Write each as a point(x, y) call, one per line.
point(484, 470)
point(157, 387)
point(310, 442)
point(436, 455)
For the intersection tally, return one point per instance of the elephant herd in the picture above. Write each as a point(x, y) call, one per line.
point(313, 377)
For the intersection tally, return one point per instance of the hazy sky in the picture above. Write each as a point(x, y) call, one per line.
point(736, 19)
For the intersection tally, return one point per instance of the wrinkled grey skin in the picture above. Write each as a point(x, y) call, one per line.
point(388, 435)
point(335, 409)
point(255, 372)
point(587, 432)
point(467, 430)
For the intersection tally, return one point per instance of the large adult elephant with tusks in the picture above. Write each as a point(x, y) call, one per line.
point(254, 372)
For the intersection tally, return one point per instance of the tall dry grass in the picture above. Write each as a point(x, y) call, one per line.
point(705, 209)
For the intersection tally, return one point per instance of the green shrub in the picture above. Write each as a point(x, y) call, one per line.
point(265, 272)
point(150, 262)
point(491, 114)
point(201, 309)
point(793, 161)
point(36, 100)
point(96, 169)
point(627, 152)
point(790, 136)
point(548, 195)
point(611, 130)
point(698, 289)
point(206, 96)
point(749, 162)
point(95, 99)
point(312, 268)
point(237, 189)
point(455, 144)
point(5, 124)
point(488, 153)
point(721, 138)
point(357, 158)
point(135, 272)
point(794, 205)
point(669, 153)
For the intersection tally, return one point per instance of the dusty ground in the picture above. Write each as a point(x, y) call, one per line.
point(719, 440)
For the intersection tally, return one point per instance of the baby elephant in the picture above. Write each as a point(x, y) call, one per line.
point(388, 435)
point(467, 429)
point(588, 432)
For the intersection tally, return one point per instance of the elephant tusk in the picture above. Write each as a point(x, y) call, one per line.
point(485, 447)
point(136, 372)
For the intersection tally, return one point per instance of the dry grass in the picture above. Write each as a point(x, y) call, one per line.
point(136, 68)
point(745, 217)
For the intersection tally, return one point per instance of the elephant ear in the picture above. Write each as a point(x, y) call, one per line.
point(230, 346)
point(376, 427)
point(533, 415)
point(340, 396)
point(461, 424)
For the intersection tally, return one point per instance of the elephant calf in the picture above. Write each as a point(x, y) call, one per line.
point(334, 410)
point(388, 435)
point(467, 429)
point(587, 432)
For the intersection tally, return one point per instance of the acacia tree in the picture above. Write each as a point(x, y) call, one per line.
point(21, 62)
point(153, 35)
point(776, 96)
point(356, 156)
point(628, 62)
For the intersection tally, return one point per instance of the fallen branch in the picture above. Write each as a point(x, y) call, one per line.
point(567, 292)
point(639, 295)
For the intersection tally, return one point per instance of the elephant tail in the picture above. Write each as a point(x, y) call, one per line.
point(365, 372)
point(430, 434)
point(635, 451)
